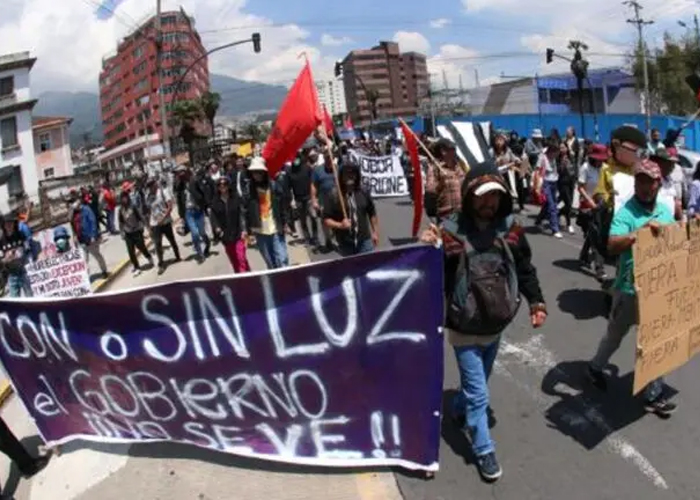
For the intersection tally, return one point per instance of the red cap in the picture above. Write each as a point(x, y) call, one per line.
point(599, 152)
point(649, 168)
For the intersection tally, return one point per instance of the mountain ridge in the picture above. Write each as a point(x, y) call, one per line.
point(237, 97)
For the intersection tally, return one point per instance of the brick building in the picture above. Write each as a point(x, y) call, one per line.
point(401, 81)
point(129, 86)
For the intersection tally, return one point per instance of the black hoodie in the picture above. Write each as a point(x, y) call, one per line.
point(504, 223)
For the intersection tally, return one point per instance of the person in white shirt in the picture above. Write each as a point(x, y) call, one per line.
point(589, 174)
point(673, 189)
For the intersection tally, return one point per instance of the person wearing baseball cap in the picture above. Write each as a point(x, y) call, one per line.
point(640, 211)
point(615, 186)
point(673, 188)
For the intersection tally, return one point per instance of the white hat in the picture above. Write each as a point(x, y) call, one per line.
point(257, 164)
point(537, 134)
point(487, 187)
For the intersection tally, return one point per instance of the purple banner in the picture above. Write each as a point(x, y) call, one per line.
point(338, 363)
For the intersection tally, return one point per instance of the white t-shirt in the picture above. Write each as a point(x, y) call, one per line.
point(588, 176)
point(672, 189)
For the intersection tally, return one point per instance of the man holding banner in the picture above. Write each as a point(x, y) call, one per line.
point(642, 210)
point(358, 232)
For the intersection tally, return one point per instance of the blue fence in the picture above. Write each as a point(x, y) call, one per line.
point(523, 124)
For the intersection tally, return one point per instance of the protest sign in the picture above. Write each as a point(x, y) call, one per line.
point(667, 280)
point(337, 363)
point(382, 175)
point(62, 275)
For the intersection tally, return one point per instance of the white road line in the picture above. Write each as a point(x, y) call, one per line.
point(535, 355)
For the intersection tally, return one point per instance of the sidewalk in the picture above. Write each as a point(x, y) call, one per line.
point(87, 471)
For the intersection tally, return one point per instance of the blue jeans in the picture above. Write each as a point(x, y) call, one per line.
point(195, 223)
point(109, 214)
point(273, 248)
point(18, 283)
point(364, 246)
point(550, 207)
point(475, 363)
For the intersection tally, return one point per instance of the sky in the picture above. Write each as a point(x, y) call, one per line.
point(475, 41)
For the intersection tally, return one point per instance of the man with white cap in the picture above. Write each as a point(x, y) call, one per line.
point(483, 296)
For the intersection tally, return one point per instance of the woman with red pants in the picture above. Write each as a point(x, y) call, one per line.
point(228, 222)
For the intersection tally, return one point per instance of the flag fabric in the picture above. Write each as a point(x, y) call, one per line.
point(348, 123)
point(328, 122)
point(298, 118)
point(412, 147)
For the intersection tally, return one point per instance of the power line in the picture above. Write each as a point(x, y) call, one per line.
point(640, 24)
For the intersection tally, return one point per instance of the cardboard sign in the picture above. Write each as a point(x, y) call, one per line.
point(667, 279)
point(62, 275)
point(382, 176)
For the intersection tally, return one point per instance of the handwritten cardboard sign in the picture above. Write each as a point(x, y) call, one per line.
point(667, 279)
point(61, 275)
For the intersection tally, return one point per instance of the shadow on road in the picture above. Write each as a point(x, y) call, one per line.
point(397, 242)
point(451, 434)
point(405, 203)
point(583, 412)
point(584, 303)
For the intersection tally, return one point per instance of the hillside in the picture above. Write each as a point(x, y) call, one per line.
point(237, 97)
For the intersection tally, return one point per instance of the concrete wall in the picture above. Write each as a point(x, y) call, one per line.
point(504, 98)
point(624, 100)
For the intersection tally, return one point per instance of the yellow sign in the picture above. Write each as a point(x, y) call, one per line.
point(667, 279)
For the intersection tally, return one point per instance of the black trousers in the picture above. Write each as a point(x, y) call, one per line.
point(11, 447)
point(134, 241)
point(566, 196)
point(167, 231)
point(305, 216)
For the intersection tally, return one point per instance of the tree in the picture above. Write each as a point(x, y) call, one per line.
point(668, 67)
point(209, 102)
point(185, 115)
point(253, 131)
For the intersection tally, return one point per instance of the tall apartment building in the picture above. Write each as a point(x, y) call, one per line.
point(401, 81)
point(18, 174)
point(129, 83)
point(331, 94)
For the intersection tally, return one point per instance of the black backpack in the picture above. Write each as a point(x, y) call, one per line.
point(486, 296)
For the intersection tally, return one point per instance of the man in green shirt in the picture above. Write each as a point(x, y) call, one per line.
point(642, 210)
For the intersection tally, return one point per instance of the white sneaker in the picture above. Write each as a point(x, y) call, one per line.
point(135, 272)
point(571, 230)
point(557, 235)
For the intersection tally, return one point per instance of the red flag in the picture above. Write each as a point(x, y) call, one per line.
point(412, 145)
point(298, 118)
point(328, 122)
point(348, 123)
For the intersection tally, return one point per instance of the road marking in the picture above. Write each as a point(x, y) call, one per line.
point(535, 355)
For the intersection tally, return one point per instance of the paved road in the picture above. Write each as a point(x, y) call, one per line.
point(556, 437)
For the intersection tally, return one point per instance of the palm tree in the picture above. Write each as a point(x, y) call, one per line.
point(253, 131)
point(209, 102)
point(184, 115)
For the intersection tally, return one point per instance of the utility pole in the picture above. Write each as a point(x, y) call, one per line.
point(476, 77)
point(640, 23)
point(161, 96)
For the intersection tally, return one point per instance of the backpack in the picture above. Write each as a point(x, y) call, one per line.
point(485, 297)
point(77, 224)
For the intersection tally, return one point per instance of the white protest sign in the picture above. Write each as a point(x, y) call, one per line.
point(62, 275)
point(382, 175)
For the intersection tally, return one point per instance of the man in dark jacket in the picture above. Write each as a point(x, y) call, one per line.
point(180, 185)
point(299, 176)
point(198, 198)
point(487, 242)
point(357, 228)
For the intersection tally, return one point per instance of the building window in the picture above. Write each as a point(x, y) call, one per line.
point(49, 173)
point(138, 52)
point(15, 186)
point(44, 142)
point(7, 86)
point(8, 133)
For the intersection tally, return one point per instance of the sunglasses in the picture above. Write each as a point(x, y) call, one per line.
point(641, 153)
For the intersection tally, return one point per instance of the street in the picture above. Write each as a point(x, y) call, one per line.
point(556, 436)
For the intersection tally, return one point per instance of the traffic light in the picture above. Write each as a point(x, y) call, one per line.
point(550, 55)
point(338, 70)
point(256, 43)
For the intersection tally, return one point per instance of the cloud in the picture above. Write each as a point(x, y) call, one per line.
point(70, 41)
point(331, 41)
point(412, 41)
point(455, 62)
point(440, 23)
